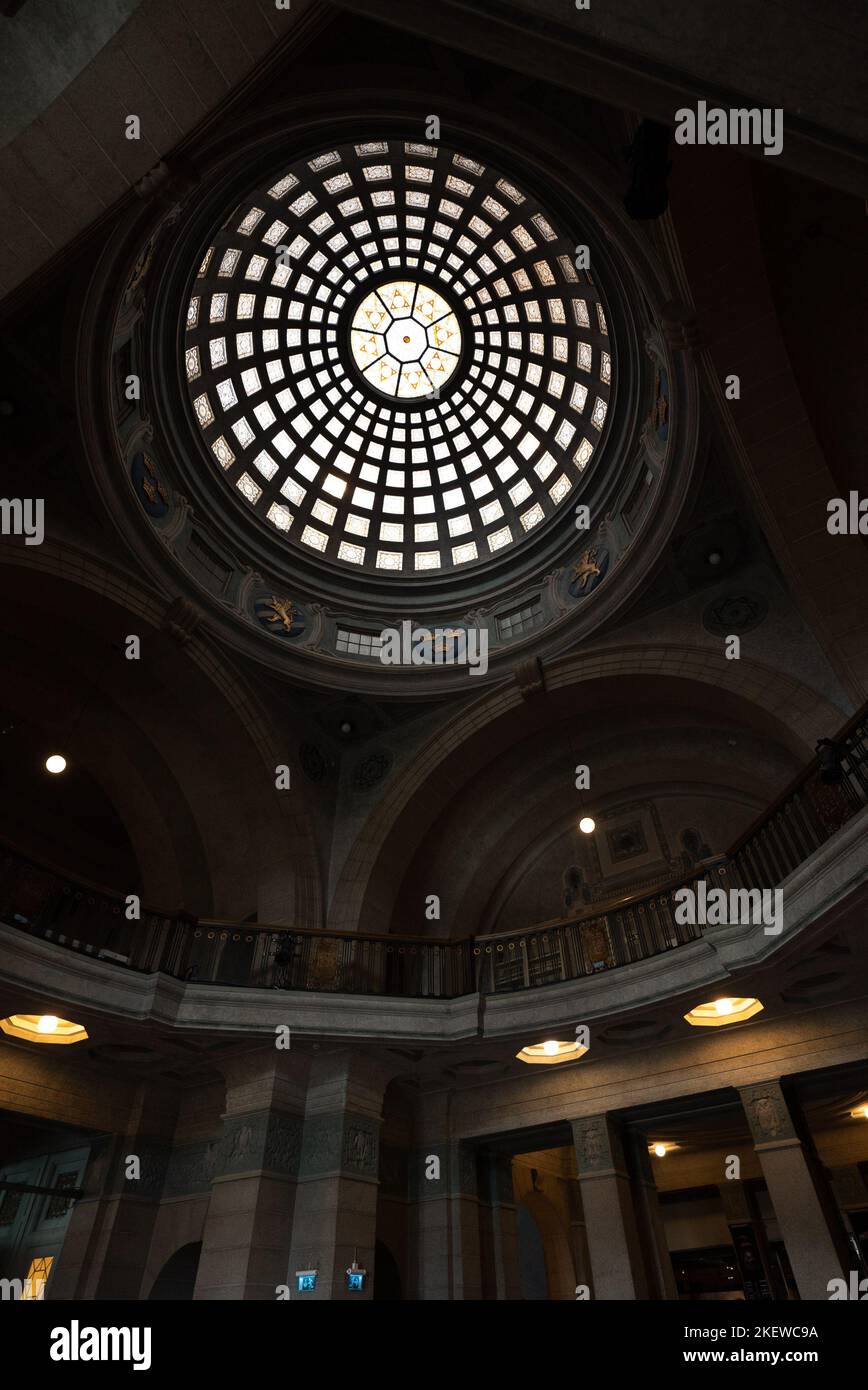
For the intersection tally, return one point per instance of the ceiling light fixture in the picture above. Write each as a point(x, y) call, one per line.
point(551, 1052)
point(587, 825)
point(722, 1011)
point(43, 1028)
point(55, 763)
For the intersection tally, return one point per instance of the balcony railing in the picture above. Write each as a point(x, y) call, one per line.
point(88, 919)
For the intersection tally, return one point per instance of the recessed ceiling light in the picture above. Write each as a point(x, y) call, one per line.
point(55, 763)
point(587, 825)
point(721, 1011)
point(551, 1052)
point(43, 1028)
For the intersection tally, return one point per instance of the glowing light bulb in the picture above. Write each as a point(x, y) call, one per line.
point(660, 1150)
point(55, 763)
point(47, 1024)
point(550, 1049)
point(587, 825)
point(723, 1006)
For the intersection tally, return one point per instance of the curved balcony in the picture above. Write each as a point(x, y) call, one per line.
point(87, 919)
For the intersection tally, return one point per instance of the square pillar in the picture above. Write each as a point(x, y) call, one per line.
point(338, 1184)
point(811, 1246)
point(105, 1253)
point(501, 1228)
point(610, 1219)
point(246, 1240)
point(445, 1256)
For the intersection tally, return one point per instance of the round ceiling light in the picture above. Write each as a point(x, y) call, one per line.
point(722, 1011)
point(587, 825)
point(393, 359)
point(55, 763)
point(551, 1052)
point(43, 1028)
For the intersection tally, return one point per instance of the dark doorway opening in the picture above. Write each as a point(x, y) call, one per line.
point(387, 1276)
point(177, 1279)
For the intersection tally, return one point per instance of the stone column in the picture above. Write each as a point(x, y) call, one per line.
point(499, 1198)
point(106, 1248)
point(336, 1207)
point(798, 1204)
point(75, 1276)
point(445, 1222)
point(616, 1256)
point(579, 1235)
point(246, 1240)
point(658, 1262)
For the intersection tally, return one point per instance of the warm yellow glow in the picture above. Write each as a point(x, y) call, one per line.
point(551, 1052)
point(722, 1011)
point(660, 1150)
point(860, 1113)
point(405, 339)
point(37, 1278)
point(43, 1028)
point(55, 763)
point(587, 825)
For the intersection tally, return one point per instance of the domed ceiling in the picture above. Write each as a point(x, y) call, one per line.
point(394, 360)
point(400, 382)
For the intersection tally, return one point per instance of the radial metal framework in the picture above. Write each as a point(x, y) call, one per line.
point(394, 360)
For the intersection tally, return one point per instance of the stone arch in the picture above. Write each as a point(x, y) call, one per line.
point(196, 791)
point(177, 1278)
point(758, 697)
point(560, 1268)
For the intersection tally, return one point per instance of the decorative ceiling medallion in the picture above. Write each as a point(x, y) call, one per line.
point(735, 613)
point(327, 316)
point(405, 339)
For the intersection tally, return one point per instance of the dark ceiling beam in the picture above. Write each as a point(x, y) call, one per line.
point(528, 38)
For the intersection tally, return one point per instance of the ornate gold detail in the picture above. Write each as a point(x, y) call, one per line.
point(284, 611)
point(587, 568)
point(151, 486)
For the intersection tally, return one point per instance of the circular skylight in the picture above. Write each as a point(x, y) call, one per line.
point(394, 360)
point(405, 339)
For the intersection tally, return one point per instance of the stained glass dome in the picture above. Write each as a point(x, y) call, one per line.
point(394, 360)
point(405, 339)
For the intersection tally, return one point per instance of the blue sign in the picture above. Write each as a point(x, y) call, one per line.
point(306, 1281)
